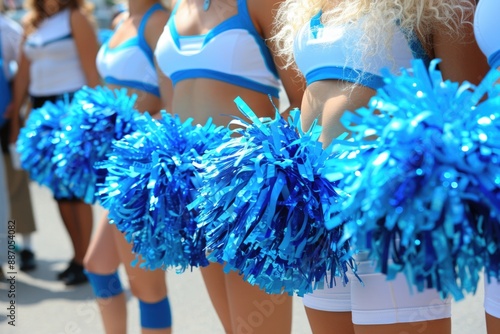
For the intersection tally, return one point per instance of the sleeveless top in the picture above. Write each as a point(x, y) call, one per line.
point(55, 66)
point(326, 53)
point(231, 52)
point(130, 64)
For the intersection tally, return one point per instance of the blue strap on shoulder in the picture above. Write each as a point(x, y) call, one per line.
point(140, 33)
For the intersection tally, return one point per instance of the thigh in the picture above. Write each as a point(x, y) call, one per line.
point(102, 255)
point(379, 301)
point(215, 282)
point(254, 311)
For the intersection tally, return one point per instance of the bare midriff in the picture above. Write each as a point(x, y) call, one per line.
point(202, 99)
point(145, 102)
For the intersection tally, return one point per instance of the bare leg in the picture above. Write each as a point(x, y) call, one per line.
point(147, 285)
point(215, 282)
point(65, 209)
point(84, 221)
point(492, 324)
point(254, 311)
point(77, 218)
point(323, 322)
point(441, 326)
point(102, 258)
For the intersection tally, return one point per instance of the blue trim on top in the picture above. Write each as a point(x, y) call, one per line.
point(69, 36)
point(264, 50)
point(148, 88)
point(315, 24)
point(418, 51)
point(345, 74)
point(241, 20)
point(494, 59)
point(128, 43)
point(143, 45)
point(224, 77)
point(266, 55)
point(174, 10)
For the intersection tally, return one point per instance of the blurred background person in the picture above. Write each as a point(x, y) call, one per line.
point(125, 60)
point(17, 179)
point(57, 58)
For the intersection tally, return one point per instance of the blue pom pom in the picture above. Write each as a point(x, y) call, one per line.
point(426, 195)
point(36, 144)
point(98, 116)
point(265, 202)
point(151, 181)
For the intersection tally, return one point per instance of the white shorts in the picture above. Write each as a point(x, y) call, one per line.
point(379, 301)
point(492, 297)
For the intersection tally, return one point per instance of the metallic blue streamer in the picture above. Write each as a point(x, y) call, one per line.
point(150, 181)
point(36, 144)
point(96, 118)
point(264, 203)
point(424, 184)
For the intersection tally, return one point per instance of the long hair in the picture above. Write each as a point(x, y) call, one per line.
point(377, 18)
point(36, 12)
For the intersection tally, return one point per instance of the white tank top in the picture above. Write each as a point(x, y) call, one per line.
point(55, 65)
point(130, 64)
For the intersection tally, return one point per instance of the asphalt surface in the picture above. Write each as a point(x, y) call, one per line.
point(44, 305)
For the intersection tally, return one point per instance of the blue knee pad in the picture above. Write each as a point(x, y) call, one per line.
point(105, 286)
point(155, 315)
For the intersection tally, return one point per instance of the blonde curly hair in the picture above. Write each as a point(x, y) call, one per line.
point(379, 18)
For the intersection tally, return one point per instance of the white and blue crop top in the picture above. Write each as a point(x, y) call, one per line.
point(330, 53)
point(232, 52)
point(486, 29)
point(130, 64)
point(55, 66)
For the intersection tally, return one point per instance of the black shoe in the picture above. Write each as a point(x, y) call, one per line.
point(71, 266)
point(27, 262)
point(76, 276)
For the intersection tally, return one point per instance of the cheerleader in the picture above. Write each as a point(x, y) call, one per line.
point(210, 52)
point(126, 61)
point(57, 59)
point(17, 179)
point(340, 48)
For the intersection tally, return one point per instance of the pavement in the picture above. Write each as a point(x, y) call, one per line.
point(44, 305)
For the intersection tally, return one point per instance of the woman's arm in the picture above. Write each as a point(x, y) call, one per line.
point(87, 46)
point(462, 60)
point(262, 12)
